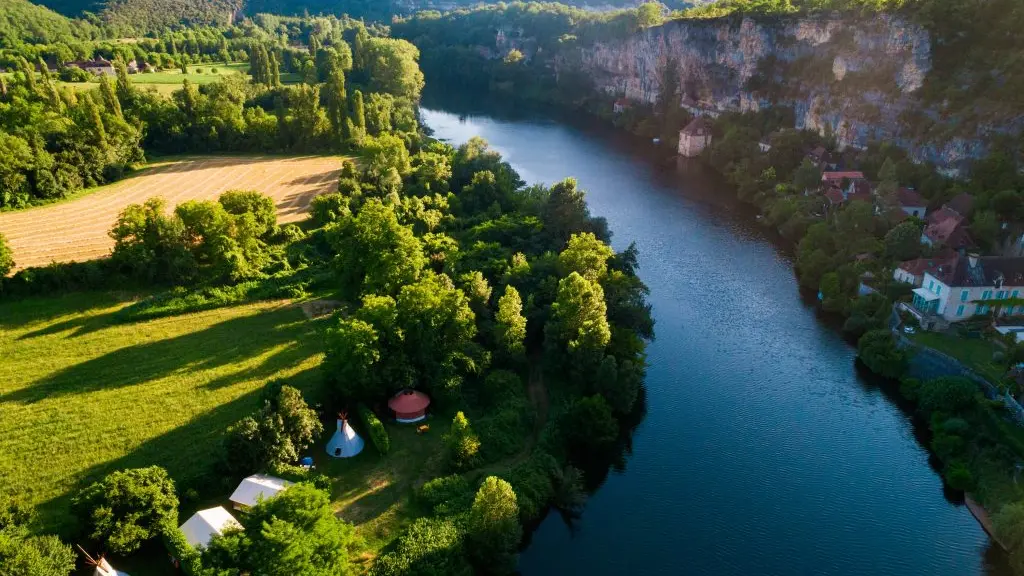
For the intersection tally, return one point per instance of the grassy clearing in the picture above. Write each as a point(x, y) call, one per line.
point(975, 353)
point(375, 492)
point(81, 395)
point(167, 81)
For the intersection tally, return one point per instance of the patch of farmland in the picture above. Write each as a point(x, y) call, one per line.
point(77, 230)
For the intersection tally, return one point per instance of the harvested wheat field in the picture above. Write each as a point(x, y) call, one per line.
point(77, 229)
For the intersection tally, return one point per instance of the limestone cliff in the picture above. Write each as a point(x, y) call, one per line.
point(861, 77)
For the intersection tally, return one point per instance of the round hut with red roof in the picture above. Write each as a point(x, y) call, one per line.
point(409, 405)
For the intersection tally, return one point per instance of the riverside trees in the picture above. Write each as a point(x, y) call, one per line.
point(457, 276)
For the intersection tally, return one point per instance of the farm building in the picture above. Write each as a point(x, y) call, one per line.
point(409, 405)
point(203, 525)
point(345, 443)
point(257, 487)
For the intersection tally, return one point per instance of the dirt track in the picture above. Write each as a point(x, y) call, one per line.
point(77, 229)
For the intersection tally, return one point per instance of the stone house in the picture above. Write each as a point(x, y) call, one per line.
point(911, 202)
point(694, 138)
point(967, 286)
point(98, 67)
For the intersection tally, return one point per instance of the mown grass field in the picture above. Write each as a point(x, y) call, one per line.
point(167, 81)
point(82, 395)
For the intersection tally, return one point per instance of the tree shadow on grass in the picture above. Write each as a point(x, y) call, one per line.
point(224, 343)
point(189, 453)
point(373, 504)
point(17, 313)
point(77, 326)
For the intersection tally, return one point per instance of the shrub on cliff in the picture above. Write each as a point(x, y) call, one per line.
point(878, 351)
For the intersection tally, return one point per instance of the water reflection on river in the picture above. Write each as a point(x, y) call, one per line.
point(763, 451)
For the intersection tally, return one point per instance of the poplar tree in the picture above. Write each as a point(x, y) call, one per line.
point(358, 114)
point(109, 97)
point(124, 85)
point(336, 100)
point(274, 76)
point(30, 75)
point(92, 112)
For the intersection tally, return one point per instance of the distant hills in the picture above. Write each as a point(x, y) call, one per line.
point(140, 16)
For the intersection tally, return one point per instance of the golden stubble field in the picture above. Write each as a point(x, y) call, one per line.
point(77, 230)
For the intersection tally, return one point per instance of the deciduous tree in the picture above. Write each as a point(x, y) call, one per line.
point(128, 507)
point(493, 529)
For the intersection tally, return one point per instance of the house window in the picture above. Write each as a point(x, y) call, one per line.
point(963, 295)
point(938, 290)
point(1015, 293)
point(931, 285)
point(986, 295)
point(983, 309)
point(960, 310)
point(999, 295)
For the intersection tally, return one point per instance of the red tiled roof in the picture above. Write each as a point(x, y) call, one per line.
point(852, 175)
point(910, 198)
point(919, 266)
point(947, 228)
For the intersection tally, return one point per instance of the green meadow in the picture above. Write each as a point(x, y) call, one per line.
point(83, 394)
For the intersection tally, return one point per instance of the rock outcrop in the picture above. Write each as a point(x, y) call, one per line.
point(860, 78)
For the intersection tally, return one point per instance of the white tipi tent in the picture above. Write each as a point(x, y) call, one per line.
point(103, 568)
point(345, 443)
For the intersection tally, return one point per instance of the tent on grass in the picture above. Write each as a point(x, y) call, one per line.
point(409, 405)
point(103, 568)
point(203, 525)
point(255, 487)
point(345, 443)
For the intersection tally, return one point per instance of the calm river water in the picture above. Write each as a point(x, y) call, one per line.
point(763, 451)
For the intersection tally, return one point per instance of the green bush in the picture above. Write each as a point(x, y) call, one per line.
point(878, 351)
point(959, 476)
point(504, 433)
point(128, 507)
point(446, 495)
point(327, 208)
point(430, 547)
point(178, 547)
point(375, 429)
point(531, 481)
point(948, 395)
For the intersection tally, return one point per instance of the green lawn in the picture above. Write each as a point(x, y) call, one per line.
point(975, 353)
point(167, 81)
point(82, 395)
point(374, 492)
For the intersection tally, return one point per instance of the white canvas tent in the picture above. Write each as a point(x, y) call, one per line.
point(345, 443)
point(255, 487)
point(203, 525)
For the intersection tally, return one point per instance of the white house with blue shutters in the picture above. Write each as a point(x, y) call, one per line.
point(967, 286)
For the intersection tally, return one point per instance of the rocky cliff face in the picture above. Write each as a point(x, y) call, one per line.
point(859, 78)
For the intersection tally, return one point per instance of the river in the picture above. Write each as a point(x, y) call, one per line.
point(763, 451)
